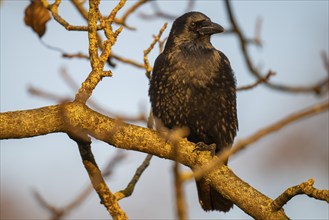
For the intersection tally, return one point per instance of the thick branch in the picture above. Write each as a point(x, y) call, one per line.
point(132, 137)
point(78, 117)
point(30, 123)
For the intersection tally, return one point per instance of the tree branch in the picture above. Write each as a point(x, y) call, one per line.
point(259, 81)
point(303, 188)
point(318, 88)
point(70, 116)
point(53, 8)
point(107, 198)
point(122, 20)
point(147, 65)
point(97, 62)
point(60, 212)
point(131, 185)
point(179, 192)
point(158, 13)
point(131, 137)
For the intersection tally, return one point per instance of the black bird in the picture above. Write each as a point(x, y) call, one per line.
point(193, 86)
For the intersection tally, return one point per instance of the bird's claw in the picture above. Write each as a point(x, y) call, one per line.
point(201, 146)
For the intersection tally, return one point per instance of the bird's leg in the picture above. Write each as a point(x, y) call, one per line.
point(201, 146)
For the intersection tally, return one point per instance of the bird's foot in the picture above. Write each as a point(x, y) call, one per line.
point(201, 146)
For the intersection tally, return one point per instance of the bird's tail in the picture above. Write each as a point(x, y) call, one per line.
point(210, 199)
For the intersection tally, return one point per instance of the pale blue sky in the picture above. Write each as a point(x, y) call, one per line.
point(294, 33)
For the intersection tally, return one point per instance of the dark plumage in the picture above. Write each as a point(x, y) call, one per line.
point(193, 86)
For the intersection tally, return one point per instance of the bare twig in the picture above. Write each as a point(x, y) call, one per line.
point(158, 13)
point(303, 188)
point(325, 60)
point(79, 6)
point(258, 27)
point(123, 19)
point(318, 88)
point(53, 8)
point(179, 193)
point(60, 212)
point(259, 81)
point(107, 198)
point(147, 66)
point(127, 61)
point(77, 55)
point(140, 170)
point(84, 13)
point(131, 185)
point(162, 44)
point(47, 95)
point(112, 55)
point(56, 213)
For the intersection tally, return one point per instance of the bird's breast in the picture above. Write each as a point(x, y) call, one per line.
point(196, 70)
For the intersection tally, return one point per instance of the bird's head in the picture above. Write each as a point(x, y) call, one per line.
point(192, 27)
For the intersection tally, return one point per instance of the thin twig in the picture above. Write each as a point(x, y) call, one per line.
point(162, 44)
point(179, 193)
point(123, 19)
point(158, 13)
point(46, 95)
point(112, 55)
point(127, 61)
point(325, 60)
point(131, 185)
point(140, 170)
point(303, 188)
point(76, 55)
point(147, 66)
point(53, 8)
point(318, 88)
point(259, 81)
point(79, 6)
point(57, 212)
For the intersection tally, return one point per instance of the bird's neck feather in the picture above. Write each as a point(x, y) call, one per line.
point(200, 43)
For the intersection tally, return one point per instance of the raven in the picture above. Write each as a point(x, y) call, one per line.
point(193, 86)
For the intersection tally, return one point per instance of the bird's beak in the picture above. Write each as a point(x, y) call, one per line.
point(210, 28)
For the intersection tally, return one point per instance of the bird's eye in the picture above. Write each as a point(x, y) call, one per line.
point(193, 24)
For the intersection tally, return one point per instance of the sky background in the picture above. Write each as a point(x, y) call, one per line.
point(293, 32)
